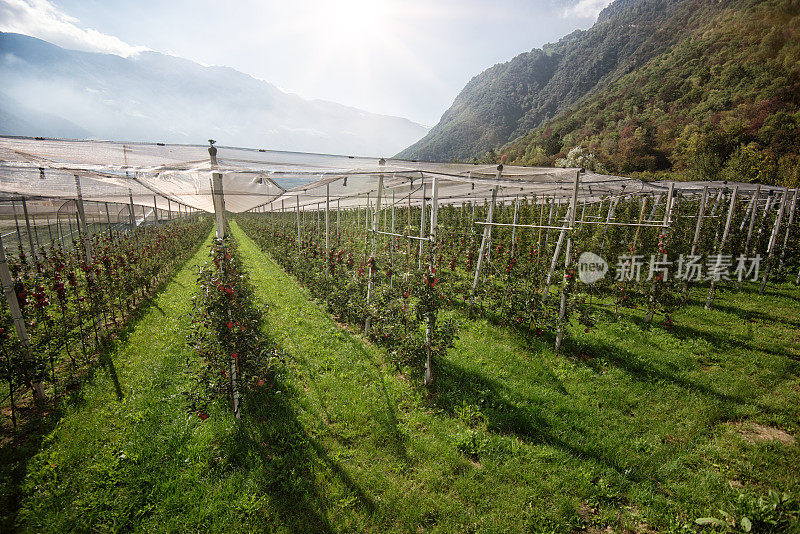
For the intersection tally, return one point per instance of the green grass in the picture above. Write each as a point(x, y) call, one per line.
point(630, 425)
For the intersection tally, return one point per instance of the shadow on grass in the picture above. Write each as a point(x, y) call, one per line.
point(600, 351)
point(284, 459)
point(15, 452)
point(16, 449)
point(501, 406)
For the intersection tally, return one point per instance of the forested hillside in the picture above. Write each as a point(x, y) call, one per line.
point(706, 89)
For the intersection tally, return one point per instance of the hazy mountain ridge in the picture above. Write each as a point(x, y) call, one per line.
point(153, 96)
point(692, 86)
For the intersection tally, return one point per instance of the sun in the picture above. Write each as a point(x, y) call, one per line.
point(350, 22)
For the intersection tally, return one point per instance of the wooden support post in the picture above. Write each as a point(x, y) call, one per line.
point(16, 223)
point(721, 246)
point(788, 229)
point(16, 317)
point(430, 326)
point(772, 240)
point(217, 193)
point(87, 243)
point(753, 215)
point(487, 232)
point(133, 215)
point(297, 205)
point(108, 218)
point(28, 228)
point(327, 217)
point(375, 222)
point(422, 226)
point(767, 206)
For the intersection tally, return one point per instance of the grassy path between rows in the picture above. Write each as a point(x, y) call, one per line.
point(631, 426)
point(126, 454)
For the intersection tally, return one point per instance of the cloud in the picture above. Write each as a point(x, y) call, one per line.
point(42, 19)
point(585, 9)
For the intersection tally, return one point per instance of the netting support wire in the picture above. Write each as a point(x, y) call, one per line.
point(573, 209)
point(87, 243)
point(487, 232)
point(721, 246)
point(773, 239)
point(788, 228)
point(16, 316)
point(534, 226)
point(28, 228)
point(217, 193)
point(392, 234)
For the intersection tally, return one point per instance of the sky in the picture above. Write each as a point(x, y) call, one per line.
point(408, 58)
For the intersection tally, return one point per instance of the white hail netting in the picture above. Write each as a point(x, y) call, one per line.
point(269, 180)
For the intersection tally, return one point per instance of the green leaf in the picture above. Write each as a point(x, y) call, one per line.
point(747, 526)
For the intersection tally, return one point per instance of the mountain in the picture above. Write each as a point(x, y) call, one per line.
point(704, 88)
point(53, 92)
